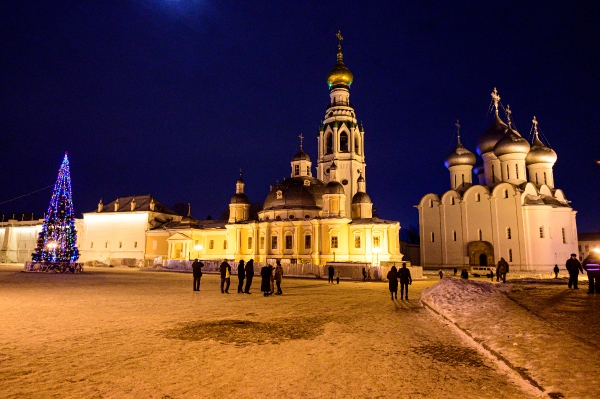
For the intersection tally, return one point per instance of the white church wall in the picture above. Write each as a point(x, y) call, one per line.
point(452, 230)
point(430, 231)
point(508, 227)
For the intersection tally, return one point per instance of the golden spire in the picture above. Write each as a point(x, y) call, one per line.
point(496, 99)
point(340, 38)
point(457, 124)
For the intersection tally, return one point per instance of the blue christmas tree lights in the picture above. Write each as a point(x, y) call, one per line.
point(57, 242)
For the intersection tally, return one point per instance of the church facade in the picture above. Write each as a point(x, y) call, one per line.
point(305, 218)
point(515, 211)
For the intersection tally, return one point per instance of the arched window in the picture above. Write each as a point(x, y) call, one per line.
point(452, 203)
point(432, 237)
point(454, 235)
point(477, 197)
point(505, 193)
point(356, 145)
point(329, 144)
point(344, 142)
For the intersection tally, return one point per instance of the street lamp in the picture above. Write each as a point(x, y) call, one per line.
point(198, 248)
point(377, 250)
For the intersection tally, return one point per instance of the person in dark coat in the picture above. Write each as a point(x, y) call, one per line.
point(265, 284)
point(555, 271)
point(331, 272)
point(392, 277)
point(225, 270)
point(241, 277)
point(455, 270)
point(278, 277)
point(573, 267)
point(364, 272)
point(464, 274)
point(492, 275)
point(405, 281)
point(591, 264)
point(249, 269)
point(197, 273)
point(501, 270)
point(441, 274)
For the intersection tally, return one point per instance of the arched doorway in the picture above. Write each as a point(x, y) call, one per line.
point(483, 260)
point(481, 253)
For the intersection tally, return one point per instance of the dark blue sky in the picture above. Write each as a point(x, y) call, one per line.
point(172, 98)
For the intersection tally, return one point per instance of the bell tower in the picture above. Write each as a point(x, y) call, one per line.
point(340, 136)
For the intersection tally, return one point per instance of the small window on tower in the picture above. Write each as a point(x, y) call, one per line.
point(542, 232)
point(451, 200)
point(344, 142)
point(508, 234)
point(480, 235)
point(453, 235)
point(510, 255)
point(345, 182)
point(329, 144)
point(308, 170)
point(505, 193)
point(477, 197)
point(296, 170)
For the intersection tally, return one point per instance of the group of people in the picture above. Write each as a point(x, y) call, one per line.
point(245, 272)
point(402, 274)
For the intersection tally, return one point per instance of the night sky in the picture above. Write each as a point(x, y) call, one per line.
point(172, 98)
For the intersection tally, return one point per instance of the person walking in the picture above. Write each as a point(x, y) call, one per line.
point(405, 281)
point(555, 271)
point(197, 273)
point(364, 272)
point(331, 271)
point(265, 283)
point(225, 270)
point(337, 275)
point(501, 270)
point(271, 280)
point(249, 269)
point(392, 277)
point(492, 275)
point(591, 264)
point(464, 274)
point(241, 277)
point(441, 274)
point(573, 267)
point(278, 277)
point(455, 270)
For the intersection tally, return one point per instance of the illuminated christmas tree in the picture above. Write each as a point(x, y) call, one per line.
point(58, 238)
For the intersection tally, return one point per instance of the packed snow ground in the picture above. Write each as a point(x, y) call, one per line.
point(543, 330)
point(127, 333)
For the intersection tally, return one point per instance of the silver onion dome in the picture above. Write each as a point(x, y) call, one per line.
point(512, 143)
point(539, 153)
point(491, 136)
point(460, 156)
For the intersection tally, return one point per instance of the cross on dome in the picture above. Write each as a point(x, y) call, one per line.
point(457, 124)
point(496, 99)
point(508, 114)
point(301, 137)
point(535, 126)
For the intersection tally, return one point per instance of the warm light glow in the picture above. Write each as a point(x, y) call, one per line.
point(198, 247)
point(597, 250)
point(52, 245)
point(376, 249)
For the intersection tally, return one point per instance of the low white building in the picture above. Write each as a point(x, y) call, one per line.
point(588, 242)
point(515, 212)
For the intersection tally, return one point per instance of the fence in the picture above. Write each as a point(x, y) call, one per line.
point(57, 267)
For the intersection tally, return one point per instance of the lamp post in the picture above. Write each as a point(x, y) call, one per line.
point(376, 250)
point(198, 248)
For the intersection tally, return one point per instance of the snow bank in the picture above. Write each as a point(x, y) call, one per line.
point(548, 357)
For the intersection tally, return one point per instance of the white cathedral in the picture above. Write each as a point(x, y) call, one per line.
point(304, 218)
point(515, 212)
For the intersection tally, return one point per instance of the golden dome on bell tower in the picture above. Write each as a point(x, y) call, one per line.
point(339, 75)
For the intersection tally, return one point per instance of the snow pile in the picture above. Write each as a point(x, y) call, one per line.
point(548, 357)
